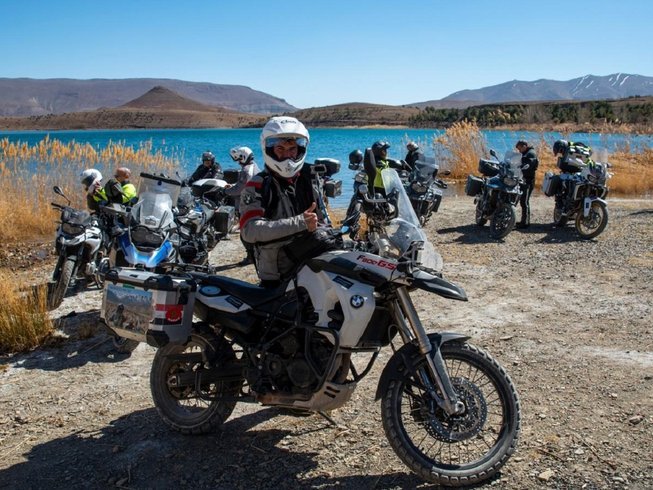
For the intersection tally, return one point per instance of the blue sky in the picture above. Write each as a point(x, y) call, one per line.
point(316, 52)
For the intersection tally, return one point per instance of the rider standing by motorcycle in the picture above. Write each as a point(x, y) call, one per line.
point(208, 169)
point(528, 166)
point(413, 154)
point(279, 205)
point(91, 179)
point(244, 156)
point(248, 169)
point(119, 189)
point(381, 162)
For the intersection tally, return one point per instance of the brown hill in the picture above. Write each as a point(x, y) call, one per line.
point(158, 108)
point(356, 114)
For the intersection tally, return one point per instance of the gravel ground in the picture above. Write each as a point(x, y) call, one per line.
point(570, 320)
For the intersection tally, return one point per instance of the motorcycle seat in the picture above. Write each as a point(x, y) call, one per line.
point(253, 295)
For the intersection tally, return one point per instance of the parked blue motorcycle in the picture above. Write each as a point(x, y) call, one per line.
point(497, 192)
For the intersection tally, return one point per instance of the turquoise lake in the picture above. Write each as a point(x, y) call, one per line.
point(187, 144)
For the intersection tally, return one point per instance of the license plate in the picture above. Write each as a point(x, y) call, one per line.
point(128, 309)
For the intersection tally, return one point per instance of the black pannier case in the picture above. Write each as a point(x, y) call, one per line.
point(473, 186)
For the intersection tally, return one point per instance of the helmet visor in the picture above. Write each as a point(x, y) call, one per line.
point(88, 180)
point(286, 148)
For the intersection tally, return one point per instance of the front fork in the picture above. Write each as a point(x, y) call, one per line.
point(414, 331)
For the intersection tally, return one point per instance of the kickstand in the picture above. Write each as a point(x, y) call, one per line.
point(328, 418)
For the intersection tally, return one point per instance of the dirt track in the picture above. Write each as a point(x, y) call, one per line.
point(570, 320)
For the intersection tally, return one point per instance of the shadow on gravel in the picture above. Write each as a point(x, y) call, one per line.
point(470, 234)
point(641, 211)
point(86, 342)
point(139, 451)
point(556, 234)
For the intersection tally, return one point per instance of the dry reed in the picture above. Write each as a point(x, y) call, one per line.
point(28, 173)
point(24, 320)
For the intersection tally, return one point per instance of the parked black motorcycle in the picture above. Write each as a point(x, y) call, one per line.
point(425, 189)
point(580, 196)
point(496, 193)
point(81, 243)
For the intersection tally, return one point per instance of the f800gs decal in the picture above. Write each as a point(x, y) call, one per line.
point(378, 263)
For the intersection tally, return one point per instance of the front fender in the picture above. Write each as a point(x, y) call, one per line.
point(407, 358)
point(434, 284)
point(587, 204)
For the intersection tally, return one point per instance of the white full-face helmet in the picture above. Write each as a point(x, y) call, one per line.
point(89, 178)
point(241, 154)
point(276, 130)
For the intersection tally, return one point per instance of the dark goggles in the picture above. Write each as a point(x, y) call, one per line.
point(271, 142)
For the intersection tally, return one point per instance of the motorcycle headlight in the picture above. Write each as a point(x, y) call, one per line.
point(418, 187)
point(509, 181)
point(72, 230)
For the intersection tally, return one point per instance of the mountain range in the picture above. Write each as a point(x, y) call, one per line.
point(589, 87)
point(34, 97)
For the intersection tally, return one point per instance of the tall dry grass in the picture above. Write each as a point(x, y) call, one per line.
point(28, 173)
point(461, 146)
point(24, 319)
point(459, 149)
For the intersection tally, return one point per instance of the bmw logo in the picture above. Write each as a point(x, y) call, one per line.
point(357, 301)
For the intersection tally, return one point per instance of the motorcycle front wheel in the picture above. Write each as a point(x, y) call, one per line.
point(595, 222)
point(182, 407)
point(503, 221)
point(559, 219)
point(58, 289)
point(456, 450)
point(480, 220)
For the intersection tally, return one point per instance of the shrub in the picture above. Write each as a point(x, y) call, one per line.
point(24, 320)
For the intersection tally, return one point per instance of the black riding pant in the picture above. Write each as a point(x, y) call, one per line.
point(524, 201)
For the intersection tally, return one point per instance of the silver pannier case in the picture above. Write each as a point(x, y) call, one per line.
point(148, 307)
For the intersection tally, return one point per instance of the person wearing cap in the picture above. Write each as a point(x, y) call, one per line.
point(119, 189)
point(376, 160)
point(208, 169)
point(529, 164)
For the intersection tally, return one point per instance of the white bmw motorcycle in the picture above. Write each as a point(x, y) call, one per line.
point(81, 246)
point(449, 410)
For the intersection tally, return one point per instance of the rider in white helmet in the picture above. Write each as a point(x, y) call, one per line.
point(280, 202)
point(244, 156)
point(91, 179)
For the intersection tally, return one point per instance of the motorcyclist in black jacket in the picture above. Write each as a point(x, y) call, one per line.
point(208, 169)
point(529, 164)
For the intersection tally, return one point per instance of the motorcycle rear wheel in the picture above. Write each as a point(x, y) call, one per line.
point(180, 407)
point(503, 221)
point(58, 290)
point(595, 222)
point(454, 450)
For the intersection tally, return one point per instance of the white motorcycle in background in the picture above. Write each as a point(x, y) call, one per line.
point(80, 244)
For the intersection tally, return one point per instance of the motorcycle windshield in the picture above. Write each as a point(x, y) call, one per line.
point(404, 230)
point(512, 159)
point(156, 197)
point(425, 169)
point(159, 185)
point(153, 210)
